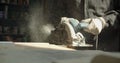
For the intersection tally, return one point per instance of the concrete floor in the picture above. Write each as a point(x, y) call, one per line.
point(48, 53)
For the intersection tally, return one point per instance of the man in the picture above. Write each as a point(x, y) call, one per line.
point(97, 17)
point(89, 18)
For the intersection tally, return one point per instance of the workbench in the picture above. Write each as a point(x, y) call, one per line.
point(18, 52)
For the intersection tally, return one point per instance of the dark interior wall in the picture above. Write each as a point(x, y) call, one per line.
point(54, 10)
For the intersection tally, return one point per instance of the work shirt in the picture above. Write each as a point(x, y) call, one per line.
point(83, 9)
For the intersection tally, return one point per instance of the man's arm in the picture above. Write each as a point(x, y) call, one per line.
point(112, 17)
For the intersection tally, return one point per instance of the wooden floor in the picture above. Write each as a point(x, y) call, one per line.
point(48, 53)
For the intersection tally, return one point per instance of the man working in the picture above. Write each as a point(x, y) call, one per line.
point(93, 16)
point(87, 18)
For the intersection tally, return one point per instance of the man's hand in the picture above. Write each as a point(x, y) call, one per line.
point(95, 25)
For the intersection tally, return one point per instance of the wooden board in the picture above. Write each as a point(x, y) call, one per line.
point(47, 53)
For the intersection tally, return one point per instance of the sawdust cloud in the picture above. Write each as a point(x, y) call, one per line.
point(38, 27)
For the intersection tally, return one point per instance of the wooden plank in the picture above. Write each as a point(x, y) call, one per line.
point(13, 53)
